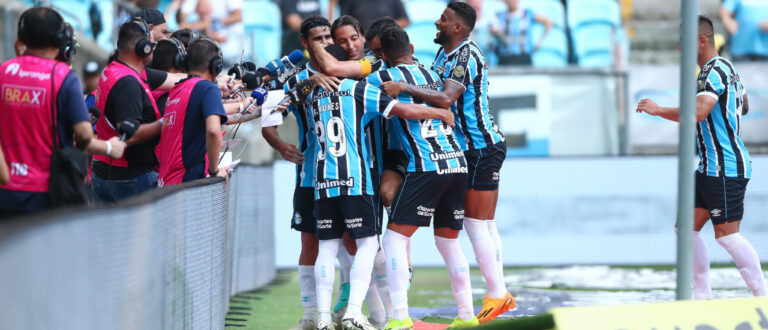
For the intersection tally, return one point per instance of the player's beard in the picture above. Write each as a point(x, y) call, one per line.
point(442, 38)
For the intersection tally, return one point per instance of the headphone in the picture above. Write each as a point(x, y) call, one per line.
point(143, 47)
point(65, 37)
point(179, 58)
point(215, 64)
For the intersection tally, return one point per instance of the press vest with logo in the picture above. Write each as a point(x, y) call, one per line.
point(111, 75)
point(26, 125)
point(172, 167)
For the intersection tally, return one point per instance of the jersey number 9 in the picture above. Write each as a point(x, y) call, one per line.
point(335, 134)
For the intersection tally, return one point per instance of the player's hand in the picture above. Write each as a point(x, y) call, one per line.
point(393, 89)
point(648, 106)
point(291, 154)
point(118, 147)
point(324, 81)
point(448, 117)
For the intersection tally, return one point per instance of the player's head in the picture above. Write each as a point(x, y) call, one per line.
point(186, 36)
point(374, 32)
point(156, 21)
point(315, 30)
point(42, 28)
point(455, 23)
point(397, 46)
point(706, 36)
point(348, 33)
point(169, 56)
point(135, 39)
point(204, 58)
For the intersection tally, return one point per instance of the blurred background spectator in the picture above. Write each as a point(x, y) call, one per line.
point(512, 30)
point(747, 24)
point(222, 20)
point(293, 12)
point(367, 11)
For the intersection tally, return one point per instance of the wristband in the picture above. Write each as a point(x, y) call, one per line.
point(212, 174)
point(109, 148)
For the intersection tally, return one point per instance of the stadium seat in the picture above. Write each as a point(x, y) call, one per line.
point(593, 26)
point(493, 7)
point(424, 11)
point(553, 52)
point(422, 37)
point(551, 9)
point(262, 30)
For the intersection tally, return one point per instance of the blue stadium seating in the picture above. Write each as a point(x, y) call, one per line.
point(422, 37)
point(749, 39)
point(424, 12)
point(262, 30)
point(593, 26)
point(493, 7)
point(554, 48)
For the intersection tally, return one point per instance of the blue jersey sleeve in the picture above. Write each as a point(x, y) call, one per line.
point(374, 99)
point(465, 69)
point(713, 84)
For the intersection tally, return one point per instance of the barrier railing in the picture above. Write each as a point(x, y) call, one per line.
point(167, 259)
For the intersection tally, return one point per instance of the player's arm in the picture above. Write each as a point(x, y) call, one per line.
point(704, 105)
point(547, 26)
point(443, 99)
point(161, 80)
point(418, 111)
point(336, 68)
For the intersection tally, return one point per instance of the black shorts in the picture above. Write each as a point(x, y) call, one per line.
point(376, 178)
point(722, 196)
point(303, 218)
point(484, 165)
point(395, 161)
point(356, 215)
point(423, 195)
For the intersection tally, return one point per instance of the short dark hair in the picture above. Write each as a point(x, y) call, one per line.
point(41, 27)
point(346, 20)
point(130, 33)
point(312, 22)
point(200, 53)
point(186, 36)
point(706, 28)
point(465, 12)
point(378, 26)
point(163, 56)
point(395, 42)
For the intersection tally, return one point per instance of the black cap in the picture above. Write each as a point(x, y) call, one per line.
point(150, 15)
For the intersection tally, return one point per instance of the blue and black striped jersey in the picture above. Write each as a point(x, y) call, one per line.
point(721, 151)
point(429, 144)
point(466, 66)
point(339, 120)
point(306, 137)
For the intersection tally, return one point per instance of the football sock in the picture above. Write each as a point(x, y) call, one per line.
point(376, 311)
point(702, 287)
point(380, 278)
point(746, 259)
point(458, 272)
point(485, 252)
point(308, 294)
point(497, 245)
point(397, 272)
point(345, 263)
point(360, 273)
point(325, 274)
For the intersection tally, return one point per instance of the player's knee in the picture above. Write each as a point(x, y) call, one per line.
point(446, 232)
point(387, 192)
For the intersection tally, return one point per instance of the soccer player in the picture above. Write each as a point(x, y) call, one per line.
point(343, 186)
point(314, 30)
point(436, 164)
point(461, 66)
point(724, 164)
point(192, 120)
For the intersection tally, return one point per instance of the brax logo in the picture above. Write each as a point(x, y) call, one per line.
point(23, 95)
point(13, 68)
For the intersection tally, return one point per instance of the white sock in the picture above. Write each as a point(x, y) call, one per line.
point(325, 274)
point(380, 278)
point(360, 274)
point(308, 294)
point(485, 252)
point(458, 271)
point(497, 244)
point(397, 272)
point(376, 311)
point(345, 264)
point(702, 287)
point(746, 259)
point(389, 210)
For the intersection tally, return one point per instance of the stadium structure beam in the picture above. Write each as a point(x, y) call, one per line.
point(685, 182)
